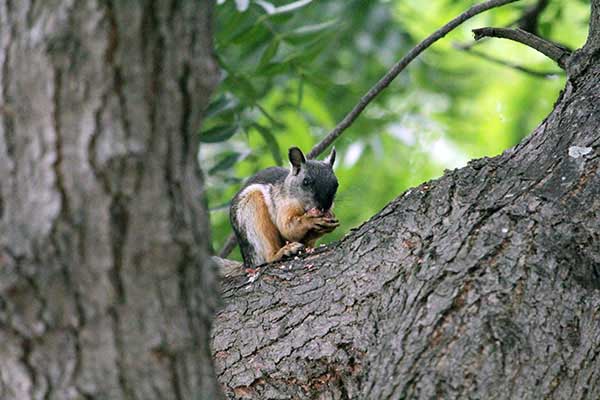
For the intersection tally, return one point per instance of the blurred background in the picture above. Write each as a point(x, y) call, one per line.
point(291, 70)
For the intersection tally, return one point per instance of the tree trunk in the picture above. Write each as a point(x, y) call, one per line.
point(105, 291)
point(482, 284)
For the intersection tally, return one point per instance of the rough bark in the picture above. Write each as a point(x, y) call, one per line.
point(105, 287)
point(482, 284)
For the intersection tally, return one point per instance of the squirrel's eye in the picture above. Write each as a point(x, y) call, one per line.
point(306, 182)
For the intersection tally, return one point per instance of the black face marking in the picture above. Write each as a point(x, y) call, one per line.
point(323, 183)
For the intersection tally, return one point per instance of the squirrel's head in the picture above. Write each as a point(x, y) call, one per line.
point(311, 182)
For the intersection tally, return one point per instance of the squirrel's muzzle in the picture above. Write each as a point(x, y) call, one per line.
point(325, 196)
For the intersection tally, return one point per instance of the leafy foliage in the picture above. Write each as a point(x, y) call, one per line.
point(292, 69)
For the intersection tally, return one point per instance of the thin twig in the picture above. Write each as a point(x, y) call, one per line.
point(546, 47)
point(504, 63)
point(383, 83)
point(397, 68)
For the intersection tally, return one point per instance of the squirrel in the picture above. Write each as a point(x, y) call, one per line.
point(280, 211)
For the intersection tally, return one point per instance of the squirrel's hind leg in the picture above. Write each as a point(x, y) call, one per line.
point(260, 241)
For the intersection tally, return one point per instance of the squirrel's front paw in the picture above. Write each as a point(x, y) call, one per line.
point(323, 224)
point(291, 249)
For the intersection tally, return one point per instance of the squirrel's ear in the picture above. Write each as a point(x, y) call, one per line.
point(331, 157)
point(297, 159)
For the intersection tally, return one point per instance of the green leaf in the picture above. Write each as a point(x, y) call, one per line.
point(272, 119)
point(271, 143)
point(247, 31)
point(272, 69)
point(311, 49)
point(225, 163)
point(234, 25)
point(300, 34)
point(305, 52)
point(268, 7)
point(269, 53)
point(243, 85)
point(220, 105)
point(218, 133)
point(280, 19)
point(291, 6)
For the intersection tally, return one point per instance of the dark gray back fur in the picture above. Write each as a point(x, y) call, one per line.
point(272, 176)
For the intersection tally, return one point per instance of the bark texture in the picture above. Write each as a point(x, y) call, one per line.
point(482, 284)
point(105, 287)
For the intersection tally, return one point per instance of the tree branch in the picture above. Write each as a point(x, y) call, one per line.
point(593, 40)
point(538, 74)
point(546, 47)
point(399, 67)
